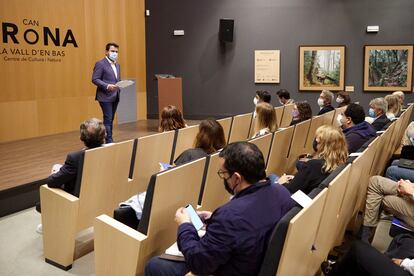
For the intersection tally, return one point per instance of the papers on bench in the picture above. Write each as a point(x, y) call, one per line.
point(302, 199)
point(124, 83)
point(173, 253)
point(355, 154)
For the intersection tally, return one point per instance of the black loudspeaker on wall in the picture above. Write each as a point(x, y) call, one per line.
point(226, 30)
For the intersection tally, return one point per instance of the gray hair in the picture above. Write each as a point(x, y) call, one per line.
point(379, 103)
point(328, 95)
point(92, 133)
point(400, 94)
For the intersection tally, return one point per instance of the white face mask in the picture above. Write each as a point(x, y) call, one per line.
point(339, 119)
point(320, 102)
point(339, 100)
point(113, 56)
point(255, 100)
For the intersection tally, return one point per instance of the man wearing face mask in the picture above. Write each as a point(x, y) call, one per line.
point(236, 233)
point(106, 74)
point(325, 101)
point(353, 124)
point(378, 108)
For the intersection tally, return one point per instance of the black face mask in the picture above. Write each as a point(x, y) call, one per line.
point(227, 187)
point(315, 145)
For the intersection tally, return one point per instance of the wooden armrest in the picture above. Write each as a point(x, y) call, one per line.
point(59, 193)
point(117, 247)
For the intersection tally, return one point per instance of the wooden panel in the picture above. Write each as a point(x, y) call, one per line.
point(55, 82)
point(316, 122)
point(279, 151)
point(18, 119)
point(263, 143)
point(214, 194)
point(226, 124)
point(150, 151)
point(328, 224)
point(240, 127)
point(297, 147)
point(279, 114)
point(104, 181)
point(185, 139)
point(287, 115)
point(174, 188)
point(113, 236)
point(298, 243)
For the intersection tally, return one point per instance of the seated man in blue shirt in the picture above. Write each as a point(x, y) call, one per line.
point(237, 233)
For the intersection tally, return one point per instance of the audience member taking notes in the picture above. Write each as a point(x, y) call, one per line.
point(236, 236)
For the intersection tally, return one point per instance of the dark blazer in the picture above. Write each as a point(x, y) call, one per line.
point(326, 109)
point(380, 122)
point(102, 76)
point(237, 232)
point(68, 175)
point(308, 178)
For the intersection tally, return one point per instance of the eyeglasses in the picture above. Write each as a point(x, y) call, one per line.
point(221, 173)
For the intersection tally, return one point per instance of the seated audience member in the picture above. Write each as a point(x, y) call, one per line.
point(394, 107)
point(377, 109)
point(262, 96)
point(363, 259)
point(343, 99)
point(325, 101)
point(353, 124)
point(396, 198)
point(236, 236)
point(302, 111)
point(265, 120)
point(171, 119)
point(401, 97)
point(92, 134)
point(284, 97)
point(330, 152)
point(394, 172)
point(210, 138)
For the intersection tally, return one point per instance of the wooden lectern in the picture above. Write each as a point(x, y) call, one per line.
point(169, 93)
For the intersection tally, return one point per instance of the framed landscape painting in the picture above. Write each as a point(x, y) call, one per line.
point(388, 67)
point(321, 67)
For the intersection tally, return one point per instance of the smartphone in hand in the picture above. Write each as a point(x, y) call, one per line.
point(195, 219)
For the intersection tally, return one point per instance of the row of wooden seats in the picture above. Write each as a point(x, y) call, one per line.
point(102, 192)
point(310, 233)
point(212, 197)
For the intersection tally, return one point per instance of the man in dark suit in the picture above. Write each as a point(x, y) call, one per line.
point(377, 111)
point(92, 134)
point(106, 74)
point(325, 102)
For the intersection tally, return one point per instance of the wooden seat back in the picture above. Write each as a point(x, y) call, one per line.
point(279, 114)
point(263, 143)
point(226, 124)
point(287, 115)
point(240, 127)
point(316, 122)
point(214, 194)
point(300, 239)
point(279, 151)
point(150, 151)
point(185, 140)
point(297, 146)
point(327, 229)
point(104, 181)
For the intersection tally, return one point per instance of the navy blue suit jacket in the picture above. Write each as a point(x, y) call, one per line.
point(101, 77)
point(237, 232)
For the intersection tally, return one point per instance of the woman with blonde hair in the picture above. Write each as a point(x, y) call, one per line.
point(171, 119)
point(265, 119)
point(394, 106)
point(331, 151)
